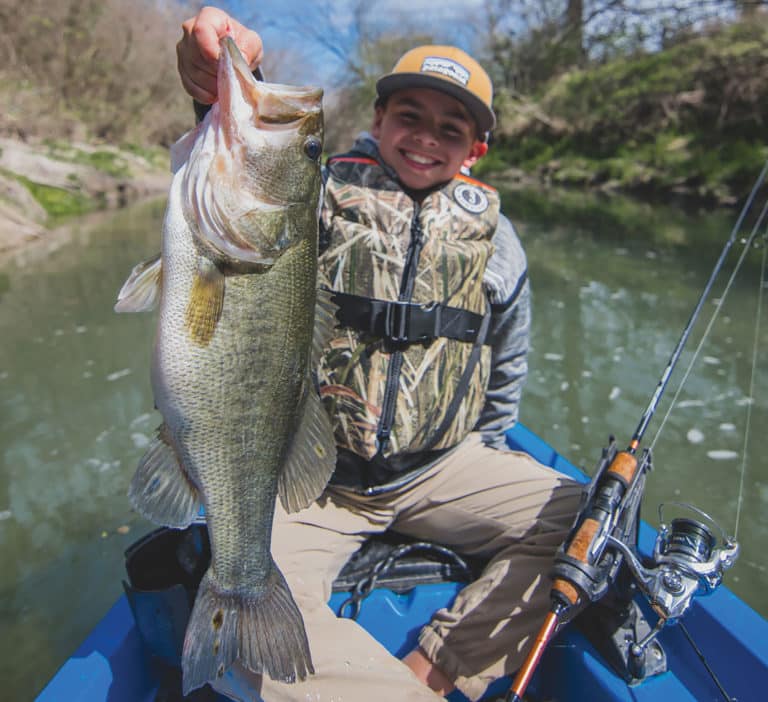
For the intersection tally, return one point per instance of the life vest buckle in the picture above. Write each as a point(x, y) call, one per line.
point(408, 322)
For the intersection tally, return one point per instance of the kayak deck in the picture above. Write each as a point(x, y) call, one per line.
point(112, 665)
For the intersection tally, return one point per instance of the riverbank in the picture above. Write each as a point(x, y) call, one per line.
point(43, 183)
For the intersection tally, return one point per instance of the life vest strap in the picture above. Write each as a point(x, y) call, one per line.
point(406, 322)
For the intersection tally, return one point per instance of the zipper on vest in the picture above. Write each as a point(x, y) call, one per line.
point(407, 284)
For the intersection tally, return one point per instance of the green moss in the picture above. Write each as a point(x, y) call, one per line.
point(108, 162)
point(58, 202)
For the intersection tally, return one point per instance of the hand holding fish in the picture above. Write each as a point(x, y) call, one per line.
point(198, 50)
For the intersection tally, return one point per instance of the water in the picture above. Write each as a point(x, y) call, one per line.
point(76, 407)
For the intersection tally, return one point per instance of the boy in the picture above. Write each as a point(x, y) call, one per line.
point(420, 400)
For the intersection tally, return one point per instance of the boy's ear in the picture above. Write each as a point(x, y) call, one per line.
point(378, 114)
point(478, 150)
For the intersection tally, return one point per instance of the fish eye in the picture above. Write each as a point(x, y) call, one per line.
point(313, 147)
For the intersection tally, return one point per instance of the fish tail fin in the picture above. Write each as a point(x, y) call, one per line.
point(160, 489)
point(264, 631)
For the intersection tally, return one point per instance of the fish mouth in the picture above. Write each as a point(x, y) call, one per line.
point(274, 105)
point(243, 202)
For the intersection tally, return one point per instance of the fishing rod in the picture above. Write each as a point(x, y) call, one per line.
point(686, 556)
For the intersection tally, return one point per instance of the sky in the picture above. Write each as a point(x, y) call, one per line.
point(449, 21)
point(277, 21)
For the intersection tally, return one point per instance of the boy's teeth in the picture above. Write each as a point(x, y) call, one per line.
point(418, 158)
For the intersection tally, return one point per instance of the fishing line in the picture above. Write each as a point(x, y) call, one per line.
point(712, 320)
point(755, 347)
point(650, 410)
point(703, 660)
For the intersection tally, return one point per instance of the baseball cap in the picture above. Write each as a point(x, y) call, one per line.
point(448, 69)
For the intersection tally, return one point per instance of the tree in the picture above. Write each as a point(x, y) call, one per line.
point(101, 66)
point(748, 8)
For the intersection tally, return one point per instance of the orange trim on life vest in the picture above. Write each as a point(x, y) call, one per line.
point(353, 159)
point(474, 181)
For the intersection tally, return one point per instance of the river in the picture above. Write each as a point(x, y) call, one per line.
point(612, 291)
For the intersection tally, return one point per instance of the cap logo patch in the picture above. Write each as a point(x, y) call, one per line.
point(471, 198)
point(450, 69)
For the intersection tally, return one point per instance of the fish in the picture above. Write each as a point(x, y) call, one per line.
point(240, 329)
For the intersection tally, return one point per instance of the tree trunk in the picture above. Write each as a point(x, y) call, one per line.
point(747, 8)
point(574, 26)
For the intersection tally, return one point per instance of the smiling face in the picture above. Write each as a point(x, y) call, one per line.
point(426, 136)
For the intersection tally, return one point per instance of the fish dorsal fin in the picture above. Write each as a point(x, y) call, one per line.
point(206, 300)
point(141, 291)
point(325, 321)
point(311, 456)
point(160, 489)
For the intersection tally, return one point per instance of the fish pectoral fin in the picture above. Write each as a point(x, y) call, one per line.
point(264, 631)
point(160, 489)
point(141, 291)
point(206, 300)
point(311, 457)
point(325, 321)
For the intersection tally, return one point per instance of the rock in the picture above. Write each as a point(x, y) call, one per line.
point(22, 218)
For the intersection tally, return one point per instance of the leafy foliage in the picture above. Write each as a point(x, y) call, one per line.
point(689, 118)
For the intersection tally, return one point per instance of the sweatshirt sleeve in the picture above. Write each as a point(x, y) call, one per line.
point(506, 281)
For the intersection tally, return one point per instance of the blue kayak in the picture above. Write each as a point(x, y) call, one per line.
point(721, 632)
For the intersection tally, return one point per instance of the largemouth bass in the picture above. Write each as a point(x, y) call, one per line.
point(231, 371)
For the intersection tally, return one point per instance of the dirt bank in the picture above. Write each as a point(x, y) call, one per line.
point(42, 184)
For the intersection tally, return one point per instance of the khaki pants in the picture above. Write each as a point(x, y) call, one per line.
point(477, 500)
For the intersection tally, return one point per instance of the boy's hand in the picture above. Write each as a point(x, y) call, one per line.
point(198, 50)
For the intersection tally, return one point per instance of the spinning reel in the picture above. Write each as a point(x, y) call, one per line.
point(687, 561)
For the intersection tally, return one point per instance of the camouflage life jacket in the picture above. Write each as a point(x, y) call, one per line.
point(414, 313)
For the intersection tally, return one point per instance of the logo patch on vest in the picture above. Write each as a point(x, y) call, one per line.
point(471, 198)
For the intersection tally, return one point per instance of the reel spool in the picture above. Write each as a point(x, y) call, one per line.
point(687, 550)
